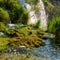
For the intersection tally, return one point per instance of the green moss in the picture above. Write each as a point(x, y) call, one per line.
point(3, 43)
point(24, 31)
point(23, 36)
point(3, 26)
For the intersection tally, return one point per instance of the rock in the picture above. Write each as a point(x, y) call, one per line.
point(10, 25)
point(48, 35)
point(2, 34)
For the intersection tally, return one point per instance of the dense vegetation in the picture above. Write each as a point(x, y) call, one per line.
point(16, 35)
point(53, 11)
point(29, 36)
point(12, 10)
point(20, 34)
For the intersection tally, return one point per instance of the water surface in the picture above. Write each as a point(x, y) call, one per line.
point(49, 51)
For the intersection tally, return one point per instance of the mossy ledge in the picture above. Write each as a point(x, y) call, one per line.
point(24, 36)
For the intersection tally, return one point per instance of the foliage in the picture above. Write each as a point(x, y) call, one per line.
point(49, 8)
point(37, 24)
point(52, 8)
point(24, 31)
point(29, 1)
point(23, 36)
point(4, 16)
point(3, 43)
point(2, 26)
point(24, 17)
point(1, 3)
point(28, 41)
point(16, 12)
point(54, 25)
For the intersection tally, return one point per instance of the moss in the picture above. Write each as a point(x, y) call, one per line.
point(3, 43)
point(24, 31)
point(28, 41)
point(18, 57)
point(23, 36)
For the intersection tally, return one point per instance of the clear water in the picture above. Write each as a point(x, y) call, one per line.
point(49, 51)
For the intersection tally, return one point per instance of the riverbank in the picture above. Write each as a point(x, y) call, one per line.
point(47, 52)
point(21, 35)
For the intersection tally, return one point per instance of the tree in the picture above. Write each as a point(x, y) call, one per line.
point(16, 12)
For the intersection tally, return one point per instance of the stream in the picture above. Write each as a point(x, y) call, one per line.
point(50, 52)
point(47, 52)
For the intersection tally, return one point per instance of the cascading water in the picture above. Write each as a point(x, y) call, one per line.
point(43, 16)
point(36, 15)
point(33, 18)
point(40, 14)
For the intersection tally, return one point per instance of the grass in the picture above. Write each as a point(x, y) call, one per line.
point(54, 25)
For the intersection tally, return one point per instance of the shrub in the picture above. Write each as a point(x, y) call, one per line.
point(24, 17)
point(17, 13)
point(3, 43)
point(14, 9)
point(1, 3)
point(37, 25)
point(2, 26)
point(4, 16)
point(54, 25)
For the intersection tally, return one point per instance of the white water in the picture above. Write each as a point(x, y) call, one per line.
point(43, 16)
point(33, 18)
point(40, 14)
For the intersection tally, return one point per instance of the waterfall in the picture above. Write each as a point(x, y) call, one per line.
point(43, 16)
point(35, 16)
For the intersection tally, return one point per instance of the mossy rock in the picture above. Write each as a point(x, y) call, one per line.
point(28, 41)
